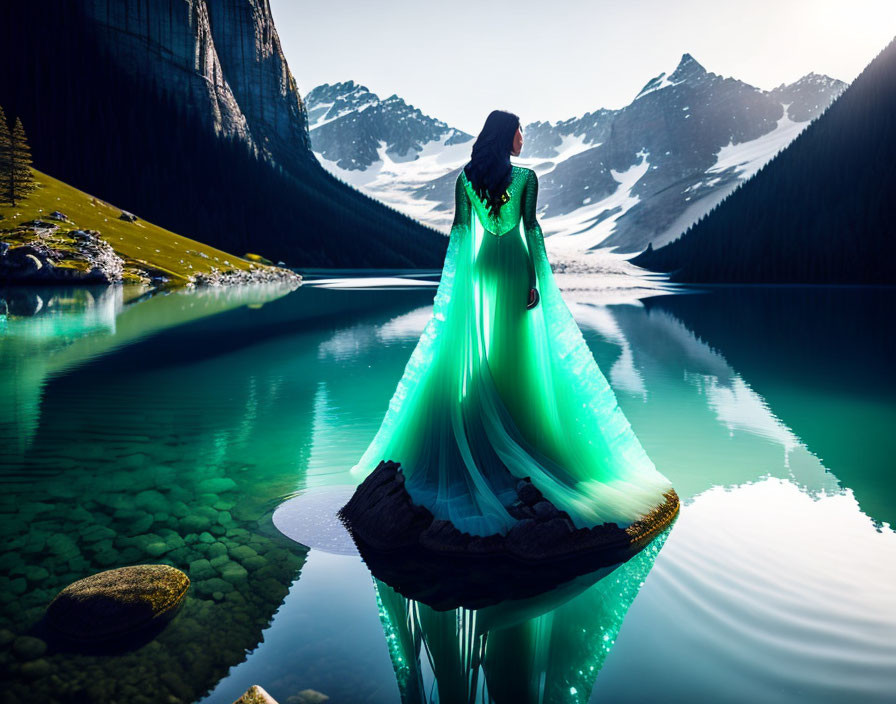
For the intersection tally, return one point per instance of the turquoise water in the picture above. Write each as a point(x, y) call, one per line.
point(186, 428)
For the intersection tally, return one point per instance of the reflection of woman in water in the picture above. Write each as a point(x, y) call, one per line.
point(531, 651)
point(502, 387)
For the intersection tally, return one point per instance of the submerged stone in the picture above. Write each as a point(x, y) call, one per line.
point(36, 669)
point(202, 569)
point(234, 572)
point(151, 501)
point(118, 601)
point(241, 552)
point(29, 647)
point(195, 524)
point(217, 485)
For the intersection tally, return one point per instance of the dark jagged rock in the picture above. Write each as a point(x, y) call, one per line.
point(431, 560)
point(399, 523)
point(527, 492)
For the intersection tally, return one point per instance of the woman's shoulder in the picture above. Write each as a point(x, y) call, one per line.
point(526, 175)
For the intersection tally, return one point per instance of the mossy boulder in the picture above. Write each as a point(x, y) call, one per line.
point(255, 695)
point(116, 602)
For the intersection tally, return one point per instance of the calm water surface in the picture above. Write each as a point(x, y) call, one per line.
point(186, 428)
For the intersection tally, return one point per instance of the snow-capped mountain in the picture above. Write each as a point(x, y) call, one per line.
point(615, 179)
point(352, 125)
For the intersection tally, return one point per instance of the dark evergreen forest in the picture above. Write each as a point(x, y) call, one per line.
point(821, 211)
point(129, 143)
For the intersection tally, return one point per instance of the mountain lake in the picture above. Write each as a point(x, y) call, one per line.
point(214, 430)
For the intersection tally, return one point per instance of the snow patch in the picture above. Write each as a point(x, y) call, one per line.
point(746, 158)
point(658, 83)
point(584, 231)
point(572, 144)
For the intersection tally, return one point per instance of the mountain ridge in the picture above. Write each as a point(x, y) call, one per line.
point(612, 178)
point(816, 212)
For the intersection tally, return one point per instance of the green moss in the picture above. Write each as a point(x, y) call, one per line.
point(76, 264)
point(258, 259)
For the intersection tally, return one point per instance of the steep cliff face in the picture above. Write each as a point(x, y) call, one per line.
point(185, 113)
point(222, 58)
point(172, 44)
point(256, 69)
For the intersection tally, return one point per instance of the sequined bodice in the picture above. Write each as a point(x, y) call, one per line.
point(522, 202)
point(511, 211)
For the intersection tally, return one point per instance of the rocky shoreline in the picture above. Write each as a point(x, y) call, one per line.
point(38, 253)
point(235, 277)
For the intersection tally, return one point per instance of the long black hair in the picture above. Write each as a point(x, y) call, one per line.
point(489, 167)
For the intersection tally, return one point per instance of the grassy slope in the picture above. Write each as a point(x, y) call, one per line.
point(140, 242)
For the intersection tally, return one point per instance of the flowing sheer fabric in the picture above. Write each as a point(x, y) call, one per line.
point(495, 392)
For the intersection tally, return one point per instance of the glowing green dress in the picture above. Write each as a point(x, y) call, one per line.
point(494, 392)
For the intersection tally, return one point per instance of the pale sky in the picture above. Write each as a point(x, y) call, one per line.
point(457, 61)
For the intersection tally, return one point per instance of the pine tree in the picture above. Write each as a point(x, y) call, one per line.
point(20, 179)
point(4, 155)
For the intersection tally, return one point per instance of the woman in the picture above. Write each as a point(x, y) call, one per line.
point(501, 394)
